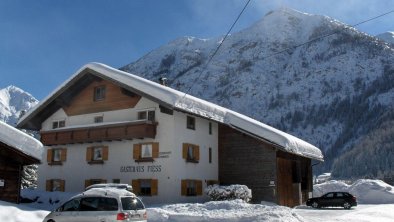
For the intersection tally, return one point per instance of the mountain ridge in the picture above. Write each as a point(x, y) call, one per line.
point(316, 91)
point(13, 100)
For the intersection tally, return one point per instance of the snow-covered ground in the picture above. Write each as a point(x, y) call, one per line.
point(361, 213)
point(368, 191)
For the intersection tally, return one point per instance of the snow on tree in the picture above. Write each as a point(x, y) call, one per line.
point(232, 192)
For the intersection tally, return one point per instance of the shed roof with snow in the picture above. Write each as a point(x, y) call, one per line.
point(20, 142)
point(169, 98)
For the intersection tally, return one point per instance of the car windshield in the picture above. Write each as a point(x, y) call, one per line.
point(132, 203)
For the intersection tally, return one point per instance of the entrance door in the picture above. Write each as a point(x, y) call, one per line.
point(285, 182)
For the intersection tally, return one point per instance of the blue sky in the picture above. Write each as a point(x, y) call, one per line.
point(43, 42)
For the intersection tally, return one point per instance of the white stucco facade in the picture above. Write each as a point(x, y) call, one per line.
point(168, 169)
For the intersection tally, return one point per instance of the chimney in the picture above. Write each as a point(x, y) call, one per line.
point(163, 81)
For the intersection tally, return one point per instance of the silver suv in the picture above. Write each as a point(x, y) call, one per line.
point(100, 205)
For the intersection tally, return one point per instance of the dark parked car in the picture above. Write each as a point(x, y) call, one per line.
point(333, 199)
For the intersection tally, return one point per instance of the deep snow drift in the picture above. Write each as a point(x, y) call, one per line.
point(366, 191)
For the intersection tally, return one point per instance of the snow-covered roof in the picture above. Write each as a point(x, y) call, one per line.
point(183, 102)
point(20, 141)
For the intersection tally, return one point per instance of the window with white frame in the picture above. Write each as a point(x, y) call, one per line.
point(190, 152)
point(56, 155)
point(146, 151)
point(97, 153)
point(58, 124)
point(146, 115)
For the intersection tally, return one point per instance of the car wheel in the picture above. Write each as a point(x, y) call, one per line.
point(315, 205)
point(347, 205)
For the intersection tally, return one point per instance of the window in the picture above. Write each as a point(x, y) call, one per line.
point(132, 203)
point(146, 115)
point(191, 187)
point(145, 152)
point(98, 119)
point(97, 154)
point(72, 205)
point(55, 185)
point(116, 181)
point(145, 187)
point(191, 123)
point(210, 155)
point(98, 204)
point(99, 93)
point(190, 152)
point(210, 128)
point(56, 156)
point(58, 124)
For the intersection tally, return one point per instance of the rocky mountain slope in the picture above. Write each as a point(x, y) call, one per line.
point(13, 100)
point(387, 37)
point(330, 92)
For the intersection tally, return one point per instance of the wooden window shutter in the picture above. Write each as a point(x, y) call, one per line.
point(198, 187)
point(48, 185)
point(155, 150)
point(184, 150)
point(183, 187)
point(89, 153)
point(62, 185)
point(105, 153)
point(88, 183)
point(49, 155)
point(136, 186)
point(154, 186)
point(136, 151)
point(63, 154)
point(196, 152)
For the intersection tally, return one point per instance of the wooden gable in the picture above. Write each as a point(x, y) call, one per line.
point(115, 98)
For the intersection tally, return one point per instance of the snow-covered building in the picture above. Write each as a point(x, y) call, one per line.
point(17, 149)
point(106, 125)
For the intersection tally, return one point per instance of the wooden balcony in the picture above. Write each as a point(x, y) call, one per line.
point(100, 132)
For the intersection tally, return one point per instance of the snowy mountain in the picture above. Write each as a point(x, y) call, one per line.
point(330, 92)
point(12, 101)
point(387, 37)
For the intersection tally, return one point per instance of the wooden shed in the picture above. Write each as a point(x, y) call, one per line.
point(17, 149)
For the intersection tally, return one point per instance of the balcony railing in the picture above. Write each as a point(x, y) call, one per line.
point(99, 132)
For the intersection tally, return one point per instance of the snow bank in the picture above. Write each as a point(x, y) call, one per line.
point(17, 213)
point(232, 192)
point(372, 192)
point(222, 211)
point(366, 191)
point(20, 140)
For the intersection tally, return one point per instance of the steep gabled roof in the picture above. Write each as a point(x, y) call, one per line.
point(172, 99)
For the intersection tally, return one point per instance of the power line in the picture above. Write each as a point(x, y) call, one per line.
point(327, 35)
point(217, 48)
